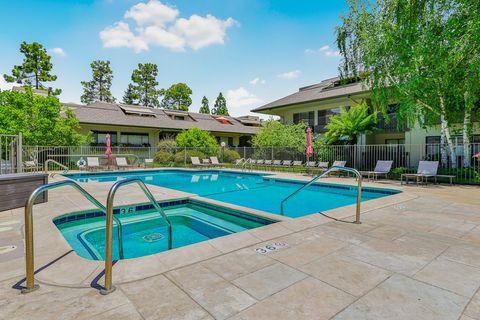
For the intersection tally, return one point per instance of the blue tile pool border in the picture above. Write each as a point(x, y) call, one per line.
point(69, 217)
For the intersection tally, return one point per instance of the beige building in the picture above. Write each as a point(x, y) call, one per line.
point(136, 126)
point(316, 103)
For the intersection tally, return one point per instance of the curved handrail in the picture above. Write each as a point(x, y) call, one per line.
point(45, 165)
point(335, 168)
point(29, 249)
point(108, 233)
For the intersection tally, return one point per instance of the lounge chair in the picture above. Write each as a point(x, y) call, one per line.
point(206, 162)
point(277, 162)
point(382, 167)
point(122, 163)
point(287, 163)
point(148, 163)
point(426, 169)
point(297, 163)
point(268, 162)
point(93, 163)
point(31, 166)
point(339, 164)
point(196, 162)
point(259, 162)
point(239, 162)
point(214, 161)
point(309, 165)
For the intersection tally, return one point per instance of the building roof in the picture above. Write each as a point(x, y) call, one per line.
point(138, 116)
point(327, 89)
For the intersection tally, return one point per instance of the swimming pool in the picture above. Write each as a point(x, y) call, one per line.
point(249, 190)
point(145, 232)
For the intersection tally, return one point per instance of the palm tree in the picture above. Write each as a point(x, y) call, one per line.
point(349, 124)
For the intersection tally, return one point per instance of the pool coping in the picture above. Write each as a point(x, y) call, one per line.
point(50, 244)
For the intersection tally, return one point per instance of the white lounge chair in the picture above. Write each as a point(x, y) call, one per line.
point(268, 162)
point(31, 166)
point(287, 163)
point(122, 163)
point(214, 161)
point(277, 162)
point(426, 169)
point(382, 167)
point(93, 163)
point(148, 163)
point(297, 163)
point(196, 162)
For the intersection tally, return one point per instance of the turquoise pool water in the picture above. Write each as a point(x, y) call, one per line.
point(247, 189)
point(145, 232)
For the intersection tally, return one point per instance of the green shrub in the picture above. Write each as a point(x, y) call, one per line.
point(230, 155)
point(180, 156)
point(164, 157)
point(168, 145)
point(198, 139)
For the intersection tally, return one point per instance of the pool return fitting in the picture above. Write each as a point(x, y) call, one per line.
point(335, 168)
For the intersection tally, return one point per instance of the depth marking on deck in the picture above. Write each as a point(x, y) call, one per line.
point(271, 247)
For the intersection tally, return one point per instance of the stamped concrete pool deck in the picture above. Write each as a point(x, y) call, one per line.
point(416, 255)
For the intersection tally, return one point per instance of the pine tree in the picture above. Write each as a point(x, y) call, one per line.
point(177, 97)
point(98, 89)
point(35, 68)
point(130, 96)
point(205, 107)
point(145, 85)
point(220, 107)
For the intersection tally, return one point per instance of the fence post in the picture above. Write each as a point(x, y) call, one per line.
point(185, 156)
point(19, 152)
point(244, 152)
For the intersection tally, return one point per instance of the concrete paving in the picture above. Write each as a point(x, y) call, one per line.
point(416, 255)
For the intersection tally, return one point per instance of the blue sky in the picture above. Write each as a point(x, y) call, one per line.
point(252, 51)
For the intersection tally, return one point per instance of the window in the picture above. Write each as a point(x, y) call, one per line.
point(134, 139)
point(432, 140)
point(307, 117)
point(394, 141)
point(245, 141)
point(322, 117)
point(230, 141)
point(100, 138)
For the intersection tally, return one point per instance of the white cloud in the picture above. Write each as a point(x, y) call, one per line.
point(200, 32)
point(152, 12)
point(157, 24)
point(162, 38)
point(256, 81)
point(290, 75)
point(240, 97)
point(119, 35)
point(4, 85)
point(57, 51)
point(326, 50)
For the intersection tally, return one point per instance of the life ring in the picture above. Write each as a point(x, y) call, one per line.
point(81, 163)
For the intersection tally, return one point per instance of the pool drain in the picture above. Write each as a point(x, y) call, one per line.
point(153, 237)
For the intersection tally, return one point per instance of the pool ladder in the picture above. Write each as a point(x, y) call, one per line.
point(335, 168)
point(45, 166)
point(110, 218)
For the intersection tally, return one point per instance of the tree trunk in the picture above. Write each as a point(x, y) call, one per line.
point(467, 125)
point(448, 137)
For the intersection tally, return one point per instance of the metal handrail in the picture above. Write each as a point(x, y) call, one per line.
point(45, 165)
point(335, 168)
point(29, 249)
point(108, 233)
point(245, 163)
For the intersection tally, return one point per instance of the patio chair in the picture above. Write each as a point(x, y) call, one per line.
point(196, 162)
point(297, 163)
point(122, 163)
point(277, 162)
point(93, 163)
point(287, 163)
point(214, 161)
point(382, 167)
point(206, 162)
point(31, 166)
point(268, 162)
point(309, 165)
point(426, 169)
point(338, 163)
point(148, 163)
